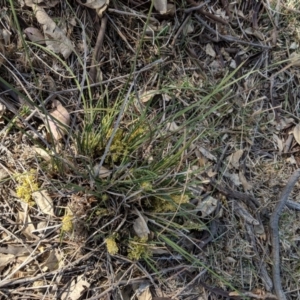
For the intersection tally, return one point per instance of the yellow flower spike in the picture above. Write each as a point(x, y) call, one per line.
point(67, 224)
point(146, 186)
point(27, 185)
point(111, 246)
point(67, 221)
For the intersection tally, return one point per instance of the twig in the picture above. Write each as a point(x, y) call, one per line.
point(64, 91)
point(188, 10)
point(193, 281)
point(212, 17)
point(180, 29)
point(277, 9)
point(221, 159)
point(226, 8)
point(211, 235)
point(84, 78)
point(135, 14)
point(98, 46)
point(207, 14)
point(6, 89)
point(229, 38)
point(218, 291)
point(293, 205)
point(247, 199)
point(244, 214)
point(275, 235)
point(255, 15)
point(288, 143)
point(68, 268)
point(257, 259)
point(122, 36)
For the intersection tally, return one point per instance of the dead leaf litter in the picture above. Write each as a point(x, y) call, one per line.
point(143, 149)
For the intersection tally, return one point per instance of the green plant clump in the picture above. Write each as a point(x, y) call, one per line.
point(27, 185)
point(138, 248)
point(161, 205)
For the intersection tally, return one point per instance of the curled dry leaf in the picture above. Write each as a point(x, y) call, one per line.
point(295, 59)
point(233, 64)
point(233, 177)
point(234, 158)
point(3, 174)
point(188, 29)
point(103, 172)
point(211, 172)
point(202, 160)
point(140, 226)
point(5, 35)
point(294, 46)
point(16, 250)
point(296, 133)
point(207, 154)
point(255, 33)
point(207, 206)
point(99, 5)
point(42, 153)
point(56, 40)
point(143, 292)
point(172, 127)
point(42, 228)
point(79, 285)
point(210, 51)
point(51, 263)
point(26, 225)
point(259, 231)
point(5, 259)
point(58, 120)
point(290, 160)
point(171, 9)
point(41, 3)
point(2, 111)
point(44, 202)
point(35, 35)
point(148, 95)
point(246, 185)
point(161, 6)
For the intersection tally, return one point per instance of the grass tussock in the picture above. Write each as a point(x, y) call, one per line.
point(150, 144)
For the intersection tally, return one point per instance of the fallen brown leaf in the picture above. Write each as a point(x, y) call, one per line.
point(56, 40)
point(140, 227)
point(44, 202)
point(160, 6)
point(234, 158)
point(99, 5)
point(296, 133)
point(35, 35)
point(56, 124)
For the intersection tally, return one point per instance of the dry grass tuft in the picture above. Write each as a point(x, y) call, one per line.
point(180, 135)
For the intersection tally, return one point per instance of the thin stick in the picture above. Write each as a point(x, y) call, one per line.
point(180, 28)
point(206, 13)
point(293, 205)
point(188, 10)
point(229, 38)
point(275, 235)
point(97, 49)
